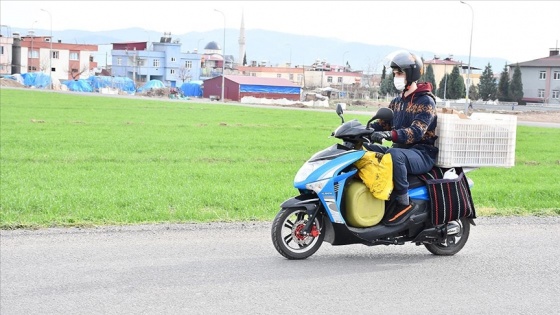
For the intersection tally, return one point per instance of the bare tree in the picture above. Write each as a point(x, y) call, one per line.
point(44, 64)
point(184, 74)
point(75, 73)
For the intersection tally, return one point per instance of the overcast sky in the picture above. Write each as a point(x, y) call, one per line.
point(514, 30)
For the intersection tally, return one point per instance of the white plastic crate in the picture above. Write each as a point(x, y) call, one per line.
point(480, 140)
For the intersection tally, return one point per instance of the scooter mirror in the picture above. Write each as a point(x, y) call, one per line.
point(382, 113)
point(339, 111)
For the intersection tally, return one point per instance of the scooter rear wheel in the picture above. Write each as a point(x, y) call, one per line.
point(454, 243)
point(287, 234)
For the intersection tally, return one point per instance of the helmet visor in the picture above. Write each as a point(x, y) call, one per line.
point(402, 59)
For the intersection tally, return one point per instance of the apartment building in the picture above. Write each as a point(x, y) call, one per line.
point(540, 78)
point(30, 53)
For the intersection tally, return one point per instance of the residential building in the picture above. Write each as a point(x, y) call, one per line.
point(261, 70)
point(540, 78)
point(6, 54)
point(165, 62)
point(446, 65)
point(320, 75)
point(37, 53)
point(212, 61)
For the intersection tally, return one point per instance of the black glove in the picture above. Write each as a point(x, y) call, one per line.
point(377, 136)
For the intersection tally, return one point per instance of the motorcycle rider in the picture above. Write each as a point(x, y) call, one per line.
point(412, 131)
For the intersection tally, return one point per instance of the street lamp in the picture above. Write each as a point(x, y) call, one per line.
point(223, 54)
point(50, 50)
point(197, 45)
point(290, 53)
point(343, 70)
point(148, 43)
point(470, 49)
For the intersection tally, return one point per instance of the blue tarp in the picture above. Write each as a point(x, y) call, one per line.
point(269, 89)
point(152, 84)
point(39, 80)
point(121, 83)
point(78, 85)
point(193, 88)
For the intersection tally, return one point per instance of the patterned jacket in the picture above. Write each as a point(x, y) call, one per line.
point(414, 121)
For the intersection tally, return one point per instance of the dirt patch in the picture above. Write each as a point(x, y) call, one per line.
point(550, 116)
point(10, 83)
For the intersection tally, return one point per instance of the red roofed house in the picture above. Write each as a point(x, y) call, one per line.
point(446, 65)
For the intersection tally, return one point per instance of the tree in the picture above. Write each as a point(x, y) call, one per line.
point(516, 86)
point(473, 92)
point(487, 87)
point(503, 85)
point(430, 77)
point(383, 73)
point(440, 92)
point(75, 73)
point(455, 85)
point(384, 87)
point(245, 59)
point(44, 64)
point(387, 87)
point(423, 75)
point(183, 73)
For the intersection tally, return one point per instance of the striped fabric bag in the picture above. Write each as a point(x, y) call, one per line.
point(450, 199)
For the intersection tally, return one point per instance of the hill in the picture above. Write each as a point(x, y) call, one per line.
point(262, 45)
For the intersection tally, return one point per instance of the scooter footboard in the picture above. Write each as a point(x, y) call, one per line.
point(417, 221)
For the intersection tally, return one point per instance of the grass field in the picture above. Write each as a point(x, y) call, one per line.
point(73, 160)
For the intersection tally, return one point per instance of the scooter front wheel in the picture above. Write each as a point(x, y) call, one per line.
point(287, 235)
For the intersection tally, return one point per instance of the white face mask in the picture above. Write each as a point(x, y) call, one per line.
point(399, 83)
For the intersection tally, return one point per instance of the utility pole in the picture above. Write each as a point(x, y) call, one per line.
point(50, 52)
point(223, 55)
point(32, 37)
point(467, 105)
point(343, 70)
point(134, 66)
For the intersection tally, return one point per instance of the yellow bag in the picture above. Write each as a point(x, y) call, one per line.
point(376, 171)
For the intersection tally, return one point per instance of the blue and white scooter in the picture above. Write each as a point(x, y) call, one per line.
point(335, 207)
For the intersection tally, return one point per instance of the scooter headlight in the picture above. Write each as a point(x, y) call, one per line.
point(307, 169)
point(317, 186)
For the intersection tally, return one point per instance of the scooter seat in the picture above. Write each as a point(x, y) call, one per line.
point(414, 181)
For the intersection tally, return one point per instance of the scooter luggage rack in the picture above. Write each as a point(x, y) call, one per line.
point(481, 140)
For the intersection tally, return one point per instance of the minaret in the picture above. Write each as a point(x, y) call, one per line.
point(242, 41)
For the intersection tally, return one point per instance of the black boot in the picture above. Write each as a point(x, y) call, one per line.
point(400, 213)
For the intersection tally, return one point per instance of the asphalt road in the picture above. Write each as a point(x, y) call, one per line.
point(508, 266)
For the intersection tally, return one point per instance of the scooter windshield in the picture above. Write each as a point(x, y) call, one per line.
point(330, 153)
point(350, 128)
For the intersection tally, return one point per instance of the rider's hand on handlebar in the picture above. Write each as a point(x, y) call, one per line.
point(378, 136)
